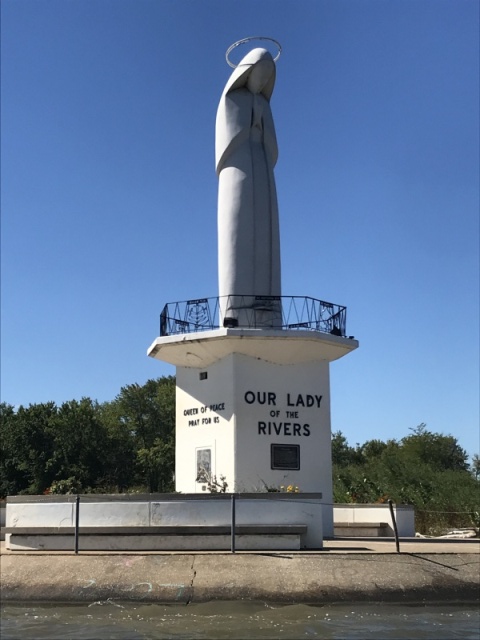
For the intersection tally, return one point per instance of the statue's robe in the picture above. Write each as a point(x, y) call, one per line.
point(248, 228)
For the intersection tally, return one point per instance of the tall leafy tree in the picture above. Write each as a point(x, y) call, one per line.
point(148, 413)
point(80, 444)
point(120, 458)
point(438, 451)
point(342, 453)
point(148, 410)
point(31, 446)
point(12, 480)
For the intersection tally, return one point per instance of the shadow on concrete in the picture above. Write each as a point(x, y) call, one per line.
point(440, 564)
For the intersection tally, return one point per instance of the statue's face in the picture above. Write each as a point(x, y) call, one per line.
point(260, 75)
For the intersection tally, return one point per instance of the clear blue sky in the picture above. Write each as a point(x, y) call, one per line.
point(109, 191)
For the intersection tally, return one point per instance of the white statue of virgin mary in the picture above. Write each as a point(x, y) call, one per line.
point(248, 230)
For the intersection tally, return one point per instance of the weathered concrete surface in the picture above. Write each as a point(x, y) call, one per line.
point(274, 577)
point(336, 578)
point(64, 578)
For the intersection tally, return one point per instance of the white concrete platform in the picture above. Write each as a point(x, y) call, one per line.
point(203, 348)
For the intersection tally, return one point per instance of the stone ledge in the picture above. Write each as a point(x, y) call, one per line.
point(173, 530)
point(360, 525)
point(161, 497)
point(356, 529)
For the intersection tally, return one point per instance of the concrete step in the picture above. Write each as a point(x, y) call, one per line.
point(157, 538)
point(361, 529)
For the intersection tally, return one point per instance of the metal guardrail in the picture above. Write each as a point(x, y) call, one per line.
point(253, 312)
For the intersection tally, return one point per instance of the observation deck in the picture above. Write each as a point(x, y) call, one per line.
point(278, 329)
point(257, 312)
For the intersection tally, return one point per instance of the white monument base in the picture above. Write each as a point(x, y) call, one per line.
point(253, 410)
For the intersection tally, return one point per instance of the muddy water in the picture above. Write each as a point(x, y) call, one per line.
point(135, 621)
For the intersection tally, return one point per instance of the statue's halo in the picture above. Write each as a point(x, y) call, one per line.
point(244, 40)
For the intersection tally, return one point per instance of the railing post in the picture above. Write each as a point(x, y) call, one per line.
point(233, 524)
point(77, 521)
point(394, 522)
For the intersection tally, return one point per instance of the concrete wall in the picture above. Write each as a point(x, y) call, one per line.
point(364, 513)
point(275, 509)
point(302, 508)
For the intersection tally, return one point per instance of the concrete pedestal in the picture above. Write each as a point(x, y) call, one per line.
point(253, 407)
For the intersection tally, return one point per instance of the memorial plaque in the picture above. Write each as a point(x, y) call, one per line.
point(204, 465)
point(285, 456)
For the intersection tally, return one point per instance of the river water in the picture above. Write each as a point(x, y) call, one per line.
point(109, 620)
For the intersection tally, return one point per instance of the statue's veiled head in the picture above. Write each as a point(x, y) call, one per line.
point(256, 71)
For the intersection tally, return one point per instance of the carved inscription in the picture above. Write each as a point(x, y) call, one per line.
point(287, 422)
point(204, 414)
point(280, 421)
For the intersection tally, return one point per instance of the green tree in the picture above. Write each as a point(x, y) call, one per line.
point(27, 443)
point(427, 470)
point(372, 449)
point(80, 444)
point(120, 458)
point(148, 413)
point(156, 465)
point(342, 453)
point(438, 451)
point(148, 410)
point(11, 479)
point(85, 446)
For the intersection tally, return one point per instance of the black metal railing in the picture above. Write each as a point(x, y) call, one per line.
point(253, 312)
